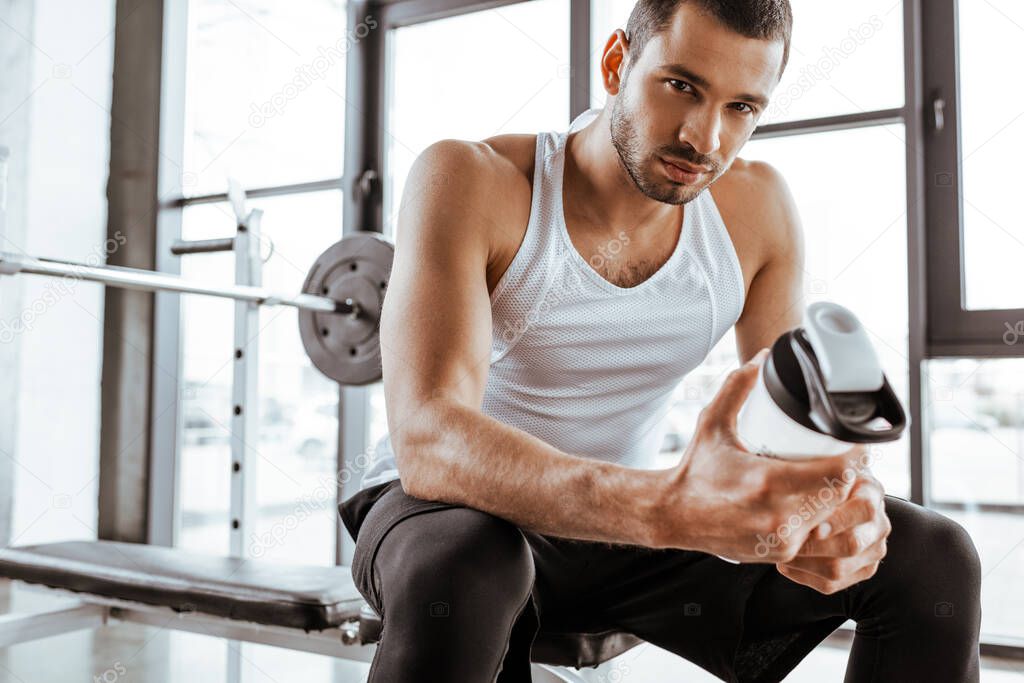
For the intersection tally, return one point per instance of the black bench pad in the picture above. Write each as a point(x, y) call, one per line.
point(295, 596)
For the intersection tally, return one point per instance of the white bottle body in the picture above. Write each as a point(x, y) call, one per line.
point(764, 428)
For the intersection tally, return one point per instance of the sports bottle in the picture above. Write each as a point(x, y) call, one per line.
point(820, 390)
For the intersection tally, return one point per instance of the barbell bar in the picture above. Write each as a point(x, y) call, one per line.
point(151, 281)
point(339, 305)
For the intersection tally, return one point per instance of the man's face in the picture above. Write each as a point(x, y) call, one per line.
point(693, 98)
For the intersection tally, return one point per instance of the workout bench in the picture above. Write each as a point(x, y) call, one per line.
point(308, 608)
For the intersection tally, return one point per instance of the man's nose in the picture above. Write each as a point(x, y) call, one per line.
point(702, 131)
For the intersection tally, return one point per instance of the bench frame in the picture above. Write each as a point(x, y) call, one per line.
point(93, 611)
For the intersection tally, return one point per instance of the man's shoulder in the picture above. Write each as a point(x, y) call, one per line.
point(490, 185)
point(517, 150)
point(756, 203)
point(493, 176)
point(752, 183)
point(502, 158)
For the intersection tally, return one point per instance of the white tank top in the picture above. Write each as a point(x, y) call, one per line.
point(581, 363)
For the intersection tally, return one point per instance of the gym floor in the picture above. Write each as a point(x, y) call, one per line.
point(131, 653)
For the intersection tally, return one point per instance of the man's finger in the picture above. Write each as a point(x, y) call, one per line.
point(824, 585)
point(860, 507)
point(824, 567)
point(852, 541)
point(825, 482)
point(730, 398)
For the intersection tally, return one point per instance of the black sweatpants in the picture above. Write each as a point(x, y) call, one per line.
point(462, 594)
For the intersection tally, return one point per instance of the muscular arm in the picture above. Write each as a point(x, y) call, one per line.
point(435, 343)
point(775, 302)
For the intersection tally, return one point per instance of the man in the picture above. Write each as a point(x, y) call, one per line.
point(532, 336)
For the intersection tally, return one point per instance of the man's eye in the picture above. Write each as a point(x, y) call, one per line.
point(682, 87)
point(748, 108)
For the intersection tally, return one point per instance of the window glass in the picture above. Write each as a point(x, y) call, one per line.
point(845, 58)
point(973, 417)
point(296, 453)
point(266, 92)
point(454, 78)
point(992, 134)
point(976, 407)
point(55, 90)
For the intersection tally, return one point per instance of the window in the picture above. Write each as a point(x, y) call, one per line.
point(605, 17)
point(295, 458)
point(974, 130)
point(55, 95)
point(992, 127)
point(265, 94)
point(455, 78)
point(975, 414)
point(845, 58)
point(856, 244)
point(972, 403)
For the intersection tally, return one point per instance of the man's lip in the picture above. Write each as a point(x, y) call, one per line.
point(689, 168)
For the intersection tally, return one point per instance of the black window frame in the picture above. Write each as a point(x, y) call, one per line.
point(954, 330)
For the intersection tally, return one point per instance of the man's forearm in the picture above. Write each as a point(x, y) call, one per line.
point(459, 455)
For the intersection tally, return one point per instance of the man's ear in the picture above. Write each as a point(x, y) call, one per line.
point(614, 61)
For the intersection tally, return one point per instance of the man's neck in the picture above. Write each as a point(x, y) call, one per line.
point(600, 193)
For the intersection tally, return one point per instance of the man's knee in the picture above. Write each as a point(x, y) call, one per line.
point(951, 544)
point(455, 555)
point(453, 584)
point(934, 560)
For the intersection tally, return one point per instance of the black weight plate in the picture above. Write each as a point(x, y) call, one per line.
point(346, 347)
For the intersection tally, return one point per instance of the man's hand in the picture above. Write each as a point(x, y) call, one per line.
point(849, 545)
point(725, 500)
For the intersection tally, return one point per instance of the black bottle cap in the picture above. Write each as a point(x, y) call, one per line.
point(795, 382)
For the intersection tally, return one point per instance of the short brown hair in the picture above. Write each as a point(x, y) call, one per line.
point(762, 19)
